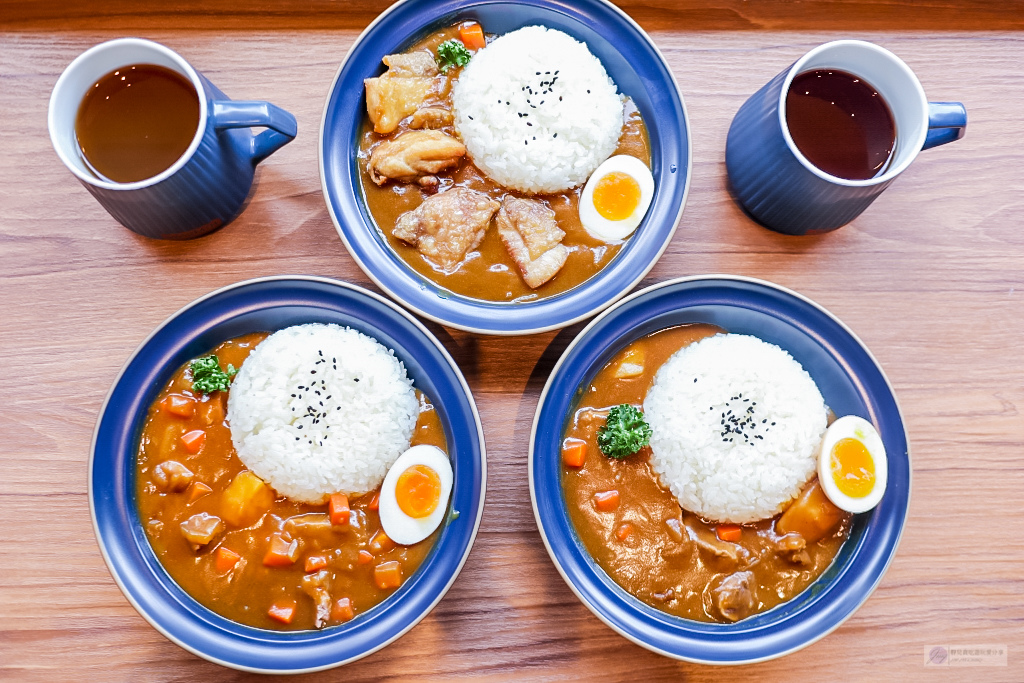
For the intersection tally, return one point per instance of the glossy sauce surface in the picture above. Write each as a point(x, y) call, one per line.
point(489, 272)
point(671, 559)
point(246, 592)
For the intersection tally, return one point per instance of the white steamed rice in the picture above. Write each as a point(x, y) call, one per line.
point(537, 111)
point(308, 445)
point(734, 476)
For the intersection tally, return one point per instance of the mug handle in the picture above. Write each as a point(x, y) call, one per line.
point(245, 114)
point(947, 122)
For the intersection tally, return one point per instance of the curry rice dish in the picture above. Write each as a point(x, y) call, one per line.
point(703, 504)
point(260, 492)
point(474, 156)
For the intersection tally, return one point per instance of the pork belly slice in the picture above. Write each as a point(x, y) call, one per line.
point(400, 90)
point(447, 226)
point(533, 239)
point(413, 155)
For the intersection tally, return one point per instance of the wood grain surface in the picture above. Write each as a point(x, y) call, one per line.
point(931, 277)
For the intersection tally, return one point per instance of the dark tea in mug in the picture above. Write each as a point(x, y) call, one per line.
point(136, 121)
point(840, 123)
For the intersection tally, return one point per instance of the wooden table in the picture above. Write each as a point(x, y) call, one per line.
point(931, 277)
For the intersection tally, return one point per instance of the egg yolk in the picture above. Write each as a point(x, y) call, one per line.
point(853, 468)
point(418, 491)
point(616, 196)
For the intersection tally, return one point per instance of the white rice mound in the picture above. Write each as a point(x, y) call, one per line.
point(572, 112)
point(306, 450)
point(721, 475)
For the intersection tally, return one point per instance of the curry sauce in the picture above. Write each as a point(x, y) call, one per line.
point(332, 561)
point(665, 556)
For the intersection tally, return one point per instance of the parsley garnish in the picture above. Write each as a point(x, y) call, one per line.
point(452, 53)
point(624, 432)
point(207, 377)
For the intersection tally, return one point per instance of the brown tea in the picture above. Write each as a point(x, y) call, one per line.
point(136, 122)
point(840, 123)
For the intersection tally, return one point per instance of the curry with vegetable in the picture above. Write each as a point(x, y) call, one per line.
point(636, 530)
point(236, 546)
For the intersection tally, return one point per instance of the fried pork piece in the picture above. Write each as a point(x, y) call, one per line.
point(432, 117)
point(400, 90)
point(412, 155)
point(446, 226)
point(534, 241)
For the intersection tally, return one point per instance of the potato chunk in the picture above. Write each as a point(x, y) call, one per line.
point(246, 499)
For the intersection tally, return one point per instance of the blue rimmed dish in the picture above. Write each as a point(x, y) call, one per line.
point(269, 304)
point(639, 71)
point(850, 380)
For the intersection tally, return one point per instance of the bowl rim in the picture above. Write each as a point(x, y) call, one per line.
point(579, 339)
point(622, 291)
point(359, 291)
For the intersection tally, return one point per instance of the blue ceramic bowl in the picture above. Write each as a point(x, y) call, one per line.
point(851, 382)
point(269, 304)
point(633, 62)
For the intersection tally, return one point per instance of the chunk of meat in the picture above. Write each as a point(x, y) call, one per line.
point(413, 154)
point(317, 586)
point(446, 226)
point(400, 90)
point(201, 528)
point(171, 476)
point(533, 239)
point(431, 117)
point(735, 597)
point(793, 547)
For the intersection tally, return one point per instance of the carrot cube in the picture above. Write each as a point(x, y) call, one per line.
point(388, 574)
point(338, 509)
point(342, 610)
point(729, 532)
point(225, 559)
point(574, 452)
point(365, 557)
point(315, 563)
point(623, 531)
point(181, 406)
point(282, 552)
point(606, 501)
point(283, 610)
point(194, 440)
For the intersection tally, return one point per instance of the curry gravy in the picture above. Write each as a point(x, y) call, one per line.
point(488, 271)
point(670, 559)
point(245, 593)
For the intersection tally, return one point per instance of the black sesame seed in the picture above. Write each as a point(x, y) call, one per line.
point(555, 135)
point(694, 380)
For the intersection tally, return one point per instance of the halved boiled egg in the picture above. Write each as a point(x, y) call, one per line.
point(616, 198)
point(414, 495)
point(852, 466)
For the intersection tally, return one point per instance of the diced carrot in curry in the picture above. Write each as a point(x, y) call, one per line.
point(472, 36)
point(729, 532)
point(342, 610)
point(574, 452)
point(283, 610)
point(194, 440)
point(281, 552)
point(315, 563)
point(380, 543)
point(623, 531)
point(246, 499)
point(225, 559)
point(374, 503)
point(178, 405)
point(338, 509)
point(388, 574)
point(197, 490)
point(365, 557)
point(606, 501)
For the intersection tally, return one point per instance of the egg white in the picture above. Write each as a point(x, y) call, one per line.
point(853, 427)
point(599, 226)
point(400, 527)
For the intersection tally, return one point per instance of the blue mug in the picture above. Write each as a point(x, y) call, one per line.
point(206, 188)
point(784, 191)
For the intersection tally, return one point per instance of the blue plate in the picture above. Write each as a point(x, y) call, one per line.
point(633, 62)
point(851, 382)
point(269, 304)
